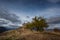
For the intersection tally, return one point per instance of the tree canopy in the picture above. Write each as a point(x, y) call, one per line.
point(38, 23)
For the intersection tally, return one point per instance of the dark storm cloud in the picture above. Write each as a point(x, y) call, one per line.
point(32, 4)
point(53, 1)
point(54, 20)
point(5, 14)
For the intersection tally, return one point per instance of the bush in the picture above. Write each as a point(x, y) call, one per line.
point(37, 22)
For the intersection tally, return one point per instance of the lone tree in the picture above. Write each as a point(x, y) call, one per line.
point(38, 23)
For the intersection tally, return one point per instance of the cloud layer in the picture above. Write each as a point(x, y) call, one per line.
point(8, 19)
point(53, 1)
point(31, 8)
point(9, 16)
point(54, 20)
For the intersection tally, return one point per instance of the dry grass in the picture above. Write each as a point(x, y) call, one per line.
point(25, 34)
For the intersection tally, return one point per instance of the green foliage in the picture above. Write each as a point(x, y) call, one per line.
point(37, 22)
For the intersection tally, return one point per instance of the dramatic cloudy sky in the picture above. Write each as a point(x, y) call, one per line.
point(24, 10)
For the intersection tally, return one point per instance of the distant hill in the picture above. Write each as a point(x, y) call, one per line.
point(3, 29)
point(26, 34)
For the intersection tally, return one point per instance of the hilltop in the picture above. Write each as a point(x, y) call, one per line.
point(26, 34)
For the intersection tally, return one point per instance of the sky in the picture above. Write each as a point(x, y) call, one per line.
point(19, 11)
